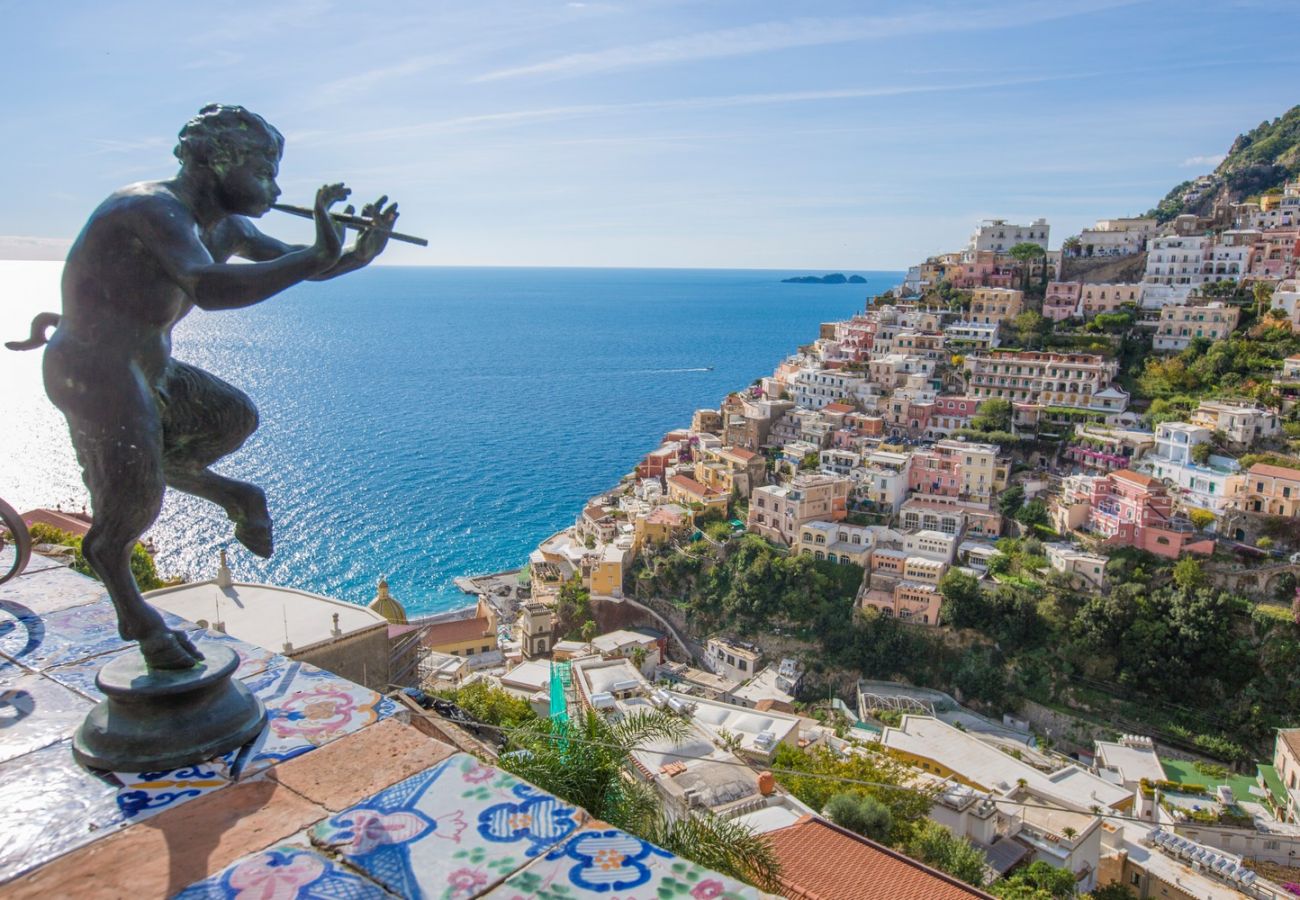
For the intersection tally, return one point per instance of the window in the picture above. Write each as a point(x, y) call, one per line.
point(486, 649)
point(1135, 879)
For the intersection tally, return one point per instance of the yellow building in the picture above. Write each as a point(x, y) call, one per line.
point(688, 491)
point(657, 527)
point(1271, 490)
point(464, 637)
point(993, 305)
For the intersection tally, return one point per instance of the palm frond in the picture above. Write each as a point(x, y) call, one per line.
point(721, 845)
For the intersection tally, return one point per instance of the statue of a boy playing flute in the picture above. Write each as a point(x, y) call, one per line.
point(140, 420)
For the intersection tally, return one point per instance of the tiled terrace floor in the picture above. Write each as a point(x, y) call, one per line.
point(338, 797)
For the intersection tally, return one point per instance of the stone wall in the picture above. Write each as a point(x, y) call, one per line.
point(362, 657)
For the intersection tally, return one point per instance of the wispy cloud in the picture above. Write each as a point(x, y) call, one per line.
point(559, 113)
point(1207, 161)
point(807, 32)
point(361, 82)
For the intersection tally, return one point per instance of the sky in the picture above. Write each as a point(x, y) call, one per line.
point(726, 133)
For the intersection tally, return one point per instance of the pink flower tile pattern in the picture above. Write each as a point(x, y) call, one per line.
point(306, 707)
point(281, 873)
point(606, 862)
point(451, 831)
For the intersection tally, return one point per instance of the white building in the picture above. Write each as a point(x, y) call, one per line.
point(1116, 237)
point(972, 335)
point(999, 236)
point(1175, 268)
point(882, 478)
point(1208, 485)
point(732, 659)
point(1083, 567)
point(932, 545)
point(815, 388)
point(1243, 423)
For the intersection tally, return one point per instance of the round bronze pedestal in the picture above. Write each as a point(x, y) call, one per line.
point(153, 720)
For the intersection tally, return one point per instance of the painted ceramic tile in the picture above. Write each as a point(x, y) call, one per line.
point(282, 873)
point(54, 587)
point(452, 831)
point(36, 712)
point(306, 707)
point(611, 863)
point(145, 793)
point(80, 675)
point(43, 640)
point(50, 806)
point(253, 660)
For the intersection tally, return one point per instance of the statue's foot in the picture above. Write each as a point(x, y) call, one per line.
point(256, 536)
point(169, 649)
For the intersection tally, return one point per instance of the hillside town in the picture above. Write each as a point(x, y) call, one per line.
point(976, 425)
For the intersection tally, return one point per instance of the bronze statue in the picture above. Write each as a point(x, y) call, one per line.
point(140, 420)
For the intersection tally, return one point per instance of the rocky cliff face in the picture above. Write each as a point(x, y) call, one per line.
point(1261, 160)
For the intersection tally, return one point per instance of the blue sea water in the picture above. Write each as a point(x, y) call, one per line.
point(425, 423)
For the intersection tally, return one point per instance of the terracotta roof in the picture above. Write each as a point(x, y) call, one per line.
point(457, 632)
point(837, 407)
point(691, 486)
point(76, 524)
point(1291, 737)
point(741, 453)
point(1136, 477)
point(1275, 471)
point(821, 861)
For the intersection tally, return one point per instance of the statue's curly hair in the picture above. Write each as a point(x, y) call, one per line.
point(221, 133)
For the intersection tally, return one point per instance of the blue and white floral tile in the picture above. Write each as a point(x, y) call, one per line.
point(43, 640)
point(36, 712)
point(286, 872)
point(53, 587)
point(144, 793)
point(606, 862)
point(306, 707)
point(50, 806)
point(454, 830)
point(80, 675)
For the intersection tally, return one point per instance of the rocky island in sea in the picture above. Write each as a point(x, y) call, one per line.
point(836, 278)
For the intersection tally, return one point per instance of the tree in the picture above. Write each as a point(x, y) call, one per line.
point(1201, 518)
point(1026, 254)
point(993, 414)
point(1010, 500)
point(638, 657)
point(963, 601)
point(1033, 513)
point(584, 764)
point(1036, 881)
point(1188, 573)
point(492, 705)
point(1264, 543)
point(865, 815)
point(1113, 891)
point(937, 846)
point(1201, 453)
point(588, 631)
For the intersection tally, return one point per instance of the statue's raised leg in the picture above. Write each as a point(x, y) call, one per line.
point(204, 419)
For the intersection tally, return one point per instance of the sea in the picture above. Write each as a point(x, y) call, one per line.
point(426, 423)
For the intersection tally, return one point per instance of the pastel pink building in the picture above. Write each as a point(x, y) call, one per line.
point(1129, 509)
point(936, 470)
point(985, 270)
point(1273, 257)
point(1062, 299)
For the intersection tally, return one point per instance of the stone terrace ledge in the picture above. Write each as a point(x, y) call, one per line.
point(338, 797)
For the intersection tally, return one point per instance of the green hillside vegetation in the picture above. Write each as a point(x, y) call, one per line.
point(1259, 161)
point(1193, 665)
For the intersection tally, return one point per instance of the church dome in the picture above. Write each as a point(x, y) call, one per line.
point(387, 606)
